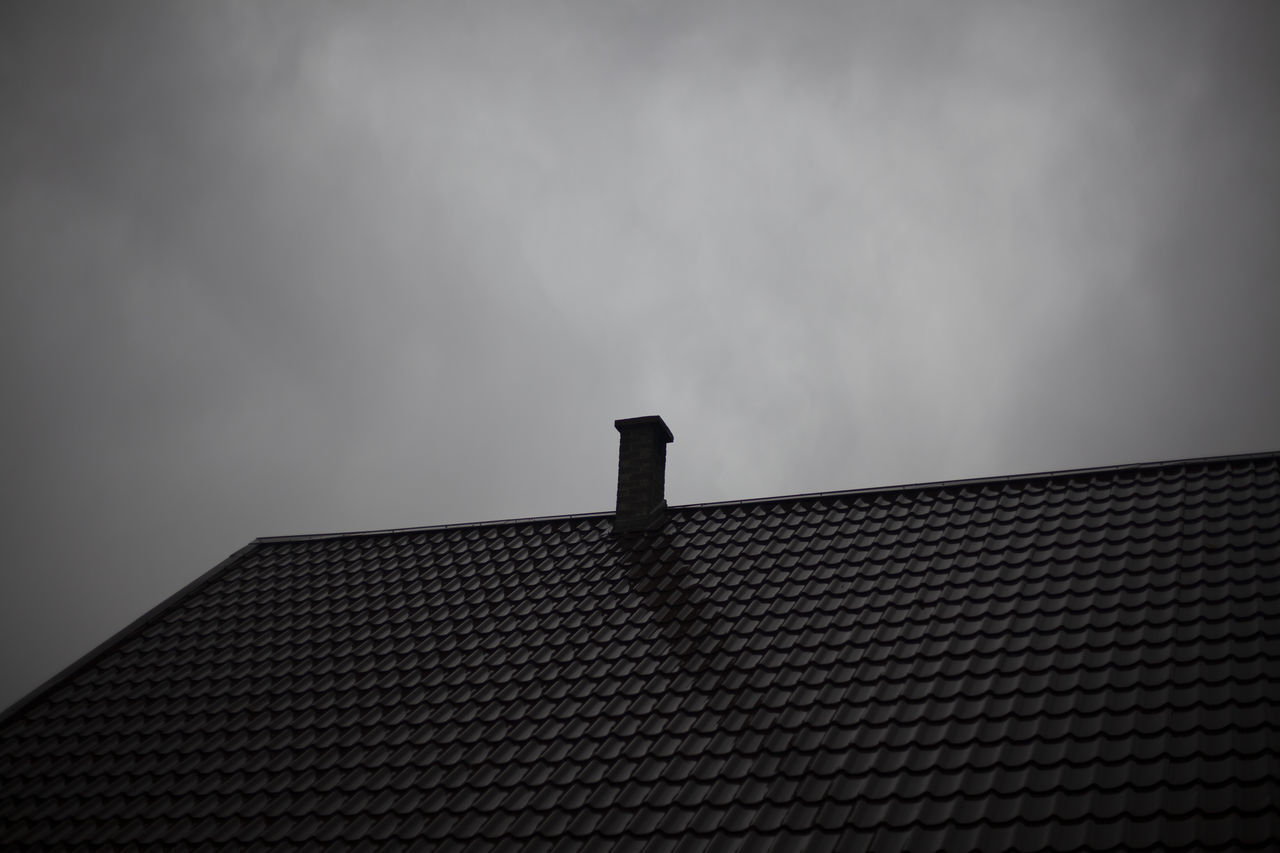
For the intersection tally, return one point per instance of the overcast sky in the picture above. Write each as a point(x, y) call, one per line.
point(296, 267)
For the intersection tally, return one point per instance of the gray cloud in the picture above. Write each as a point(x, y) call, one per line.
point(297, 266)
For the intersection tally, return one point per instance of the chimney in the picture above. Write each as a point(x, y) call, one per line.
point(642, 464)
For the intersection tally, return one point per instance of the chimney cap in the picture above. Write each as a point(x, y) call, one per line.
point(647, 420)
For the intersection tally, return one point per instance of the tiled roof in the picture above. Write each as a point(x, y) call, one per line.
point(1084, 660)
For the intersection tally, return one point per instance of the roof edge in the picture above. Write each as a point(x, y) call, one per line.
point(892, 489)
point(307, 537)
point(66, 673)
point(1008, 478)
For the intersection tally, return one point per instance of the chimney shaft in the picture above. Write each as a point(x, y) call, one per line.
point(642, 464)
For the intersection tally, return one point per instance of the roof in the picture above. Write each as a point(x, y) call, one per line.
point(1080, 660)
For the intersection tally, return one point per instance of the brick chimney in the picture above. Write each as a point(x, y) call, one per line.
point(642, 465)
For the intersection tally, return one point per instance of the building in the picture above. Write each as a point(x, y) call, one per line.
point(1073, 660)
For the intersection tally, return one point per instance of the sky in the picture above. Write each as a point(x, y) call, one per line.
point(295, 266)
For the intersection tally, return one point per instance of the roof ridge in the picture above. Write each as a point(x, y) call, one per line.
point(1006, 478)
point(889, 489)
point(464, 525)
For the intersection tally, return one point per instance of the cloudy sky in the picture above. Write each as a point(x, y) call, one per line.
point(292, 267)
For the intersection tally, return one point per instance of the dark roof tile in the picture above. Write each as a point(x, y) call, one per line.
point(1082, 660)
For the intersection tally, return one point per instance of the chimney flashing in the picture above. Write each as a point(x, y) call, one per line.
point(642, 461)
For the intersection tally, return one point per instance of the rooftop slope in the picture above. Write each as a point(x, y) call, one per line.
point(1085, 660)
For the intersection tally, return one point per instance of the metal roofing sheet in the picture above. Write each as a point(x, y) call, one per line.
point(1086, 660)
